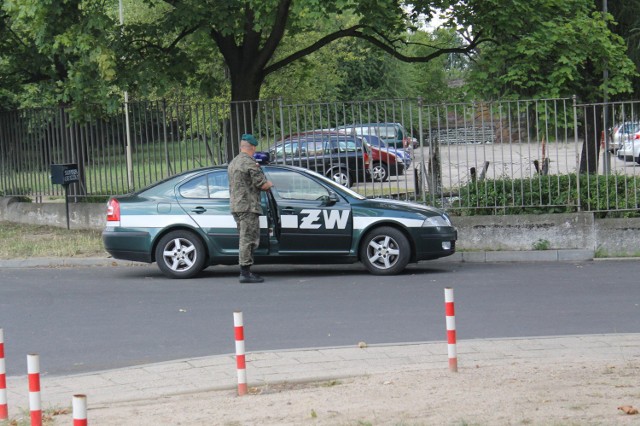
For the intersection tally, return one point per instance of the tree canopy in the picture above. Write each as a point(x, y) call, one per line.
point(75, 51)
point(256, 38)
point(55, 52)
point(549, 49)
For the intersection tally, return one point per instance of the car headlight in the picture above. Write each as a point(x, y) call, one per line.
point(437, 221)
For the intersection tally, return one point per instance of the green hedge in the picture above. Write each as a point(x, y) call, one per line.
point(610, 196)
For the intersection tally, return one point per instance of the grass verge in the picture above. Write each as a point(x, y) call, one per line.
point(21, 241)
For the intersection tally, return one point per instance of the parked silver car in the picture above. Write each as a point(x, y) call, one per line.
point(623, 133)
point(630, 150)
point(393, 134)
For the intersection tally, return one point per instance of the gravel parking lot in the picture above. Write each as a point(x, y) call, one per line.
point(514, 160)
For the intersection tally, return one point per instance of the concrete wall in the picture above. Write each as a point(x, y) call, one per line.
point(618, 237)
point(613, 237)
point(81, 215)
point(521, 232)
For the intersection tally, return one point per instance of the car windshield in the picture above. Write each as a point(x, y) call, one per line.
point(387, 132)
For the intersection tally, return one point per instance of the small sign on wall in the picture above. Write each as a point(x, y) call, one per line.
point(64, 174)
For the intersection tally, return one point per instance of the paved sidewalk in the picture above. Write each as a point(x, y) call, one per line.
point(218, 372)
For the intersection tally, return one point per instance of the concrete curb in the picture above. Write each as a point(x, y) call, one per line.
point(520, 256)
point(52, 262)
point(463, 256)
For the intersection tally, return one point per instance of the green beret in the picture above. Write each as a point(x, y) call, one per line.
point(249, 138)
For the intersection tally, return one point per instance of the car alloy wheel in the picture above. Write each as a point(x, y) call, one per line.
point(380, 172)
point(180, 254)
point(340, 176)
point(385, 251)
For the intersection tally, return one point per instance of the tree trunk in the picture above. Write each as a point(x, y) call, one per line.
point(245, 92)
point(593, 127)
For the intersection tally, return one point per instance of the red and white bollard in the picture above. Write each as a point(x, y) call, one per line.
point(33, 369)
point(4, 410)
point(240, 358)
point(451, 329)
point(79, 405)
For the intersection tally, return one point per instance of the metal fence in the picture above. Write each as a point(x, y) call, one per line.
point(479, 157)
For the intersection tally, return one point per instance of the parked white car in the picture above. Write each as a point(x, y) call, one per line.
point(630, 150)
point(623, 133)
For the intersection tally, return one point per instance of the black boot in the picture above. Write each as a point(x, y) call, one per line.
point(246, 276)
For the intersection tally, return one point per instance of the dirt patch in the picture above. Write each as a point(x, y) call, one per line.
point(524, 392)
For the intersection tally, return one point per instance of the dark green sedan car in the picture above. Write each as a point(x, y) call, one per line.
point(183, 223)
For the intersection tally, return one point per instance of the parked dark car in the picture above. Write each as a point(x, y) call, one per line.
point(343, 158)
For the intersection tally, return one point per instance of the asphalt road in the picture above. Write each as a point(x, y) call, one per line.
point(94, 318)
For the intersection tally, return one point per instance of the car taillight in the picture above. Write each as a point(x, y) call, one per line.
point(366, 159)
point(636, 136)
point(113, 210)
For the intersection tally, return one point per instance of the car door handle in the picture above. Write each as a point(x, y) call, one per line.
point(199, 210)
point(288, 210)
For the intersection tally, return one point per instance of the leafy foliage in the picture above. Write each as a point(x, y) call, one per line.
point(548, 49)
point(78, 54)
point(56, 52)
point(627, 26)
point(74, 52)
point(551, 194)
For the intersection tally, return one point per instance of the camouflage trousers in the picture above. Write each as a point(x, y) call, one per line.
point(249, 229)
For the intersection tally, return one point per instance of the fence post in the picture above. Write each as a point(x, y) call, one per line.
point(128, 139)
point(165, 137)
point(421, 136)
point(575, 141)
point(485, 169)
point(281, 110)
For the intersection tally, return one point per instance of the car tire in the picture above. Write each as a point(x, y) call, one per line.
point(180, 254)
point(385, 251)
point(380, 172)
point(340, 176)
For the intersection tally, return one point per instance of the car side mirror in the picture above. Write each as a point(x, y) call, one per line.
point(329, 200)
point(332, 198)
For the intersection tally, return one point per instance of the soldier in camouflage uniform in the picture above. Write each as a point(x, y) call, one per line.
point(246, 180)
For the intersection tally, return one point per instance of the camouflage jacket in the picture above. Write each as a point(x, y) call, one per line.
point(245, 180)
